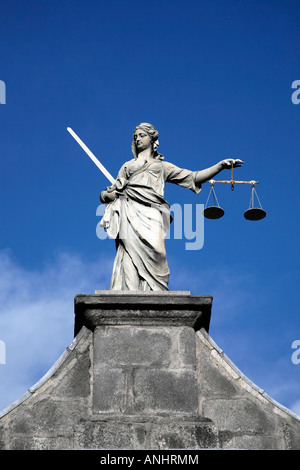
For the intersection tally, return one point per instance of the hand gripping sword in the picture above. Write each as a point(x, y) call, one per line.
point(91, 155)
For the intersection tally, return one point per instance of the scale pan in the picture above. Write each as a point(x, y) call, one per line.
point(254, 214)
point(213, 212)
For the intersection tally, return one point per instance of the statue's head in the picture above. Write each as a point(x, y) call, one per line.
point(152, 133)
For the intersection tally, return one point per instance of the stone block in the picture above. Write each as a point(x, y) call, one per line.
point(2, 436)
point(214, 380)
point(253, 442)
point(238, 415)
point(291, 435)
point(107, 435)
point(109, 390)
point(184, 436)
point(76, 382)
point(47, 417)
point(186, 347)
point(41, 443)
point(131, 346)
point(158, 391)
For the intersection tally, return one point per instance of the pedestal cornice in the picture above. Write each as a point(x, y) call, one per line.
point(170, 308)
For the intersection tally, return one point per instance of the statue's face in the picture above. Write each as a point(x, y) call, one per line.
point(141, 139)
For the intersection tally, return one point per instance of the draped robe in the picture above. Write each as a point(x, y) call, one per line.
point(138, 219)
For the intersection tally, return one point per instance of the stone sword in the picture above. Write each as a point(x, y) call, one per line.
point(91, 155)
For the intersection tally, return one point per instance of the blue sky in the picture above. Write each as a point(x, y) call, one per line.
point(215, 78)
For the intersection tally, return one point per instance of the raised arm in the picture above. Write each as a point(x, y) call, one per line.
point(205, 175)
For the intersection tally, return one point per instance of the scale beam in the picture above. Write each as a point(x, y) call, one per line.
point(233, 182)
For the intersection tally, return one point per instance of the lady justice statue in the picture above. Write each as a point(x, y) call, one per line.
point(138, 217)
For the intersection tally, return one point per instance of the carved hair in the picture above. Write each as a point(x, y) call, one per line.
point(153, 134)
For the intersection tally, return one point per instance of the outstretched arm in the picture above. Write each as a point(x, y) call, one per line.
point(207, 174)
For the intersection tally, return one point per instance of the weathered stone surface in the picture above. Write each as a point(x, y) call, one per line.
point(178, 435)
point(41, 443)
point(291, 434)
point(165, 391)
point(238, 415)
point(160, 434)
point(131, 346)
point(253, 442)
point(2, 436)
point(214, 382)
point(151, 309)
point(77, 382)
point(147, 385)
point(106, 435)
point(186, 347)
point(109, 390)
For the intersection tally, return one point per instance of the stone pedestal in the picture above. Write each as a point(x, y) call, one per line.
point(144, 364)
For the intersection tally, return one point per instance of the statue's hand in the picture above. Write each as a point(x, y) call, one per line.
point(107, 196)
point(227, 163)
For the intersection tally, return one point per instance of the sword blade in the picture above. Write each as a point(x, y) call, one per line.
point(91, 155)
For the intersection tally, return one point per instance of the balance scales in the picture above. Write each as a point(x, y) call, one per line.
point(216, 212)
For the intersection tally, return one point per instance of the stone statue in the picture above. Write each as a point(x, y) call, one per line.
point(138, 217)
